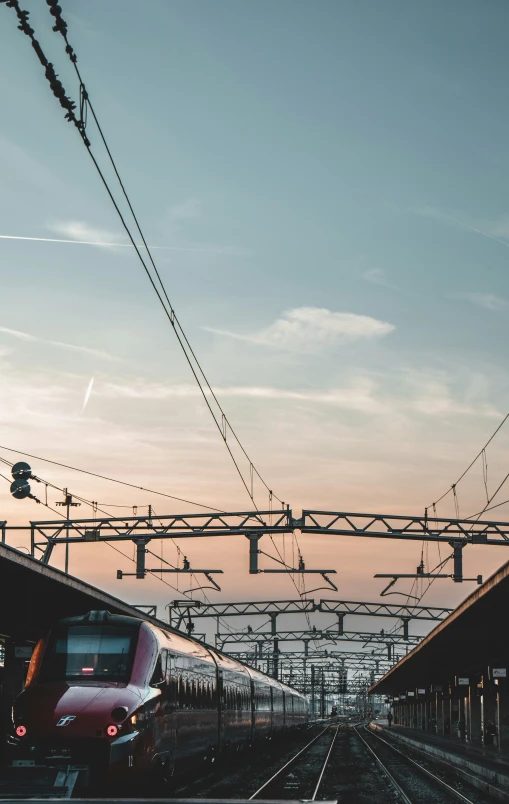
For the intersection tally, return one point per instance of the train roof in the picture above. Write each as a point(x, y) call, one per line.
point(102, 618)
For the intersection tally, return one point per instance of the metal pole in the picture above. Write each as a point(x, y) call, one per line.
point(275, 646)
point(458, 561)
point(305, 661)
point(67, 499)
point(322, 697)
point(140, 557)
point(253, 552)
point(312, 690)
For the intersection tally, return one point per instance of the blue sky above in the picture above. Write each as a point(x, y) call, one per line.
point(329, 182)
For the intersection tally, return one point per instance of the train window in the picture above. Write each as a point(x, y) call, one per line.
point(159, 675)
point(88, 652)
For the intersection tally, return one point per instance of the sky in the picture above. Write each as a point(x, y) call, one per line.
point(326, 186)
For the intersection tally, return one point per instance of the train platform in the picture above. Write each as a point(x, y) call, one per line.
point(484, 767)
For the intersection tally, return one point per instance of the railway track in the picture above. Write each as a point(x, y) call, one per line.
point(412, 781)
point(291, 782)
point(350, 764)
point(345, 763)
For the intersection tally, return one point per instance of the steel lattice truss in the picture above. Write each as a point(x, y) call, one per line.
point(276, 607)
point(416, 528)
point(318, 656)
point(297, 636)
point(383, 609)
point(144, 528)
point(261, 607)
point(333, 662)
point(258, 523)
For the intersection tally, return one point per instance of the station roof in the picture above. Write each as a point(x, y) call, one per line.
point(33, 596)
point(467, 641)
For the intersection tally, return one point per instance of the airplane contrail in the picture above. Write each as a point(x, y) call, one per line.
point(88, 393)
point(475, 229)
point(117, 245)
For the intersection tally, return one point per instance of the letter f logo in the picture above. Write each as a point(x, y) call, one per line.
point(64, 721)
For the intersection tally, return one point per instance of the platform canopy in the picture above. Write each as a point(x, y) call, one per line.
point(472, 638)
point(34, 596)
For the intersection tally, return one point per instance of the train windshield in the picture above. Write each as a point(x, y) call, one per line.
point(88, 652)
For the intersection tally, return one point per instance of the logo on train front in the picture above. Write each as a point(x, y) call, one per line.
point(64, 721)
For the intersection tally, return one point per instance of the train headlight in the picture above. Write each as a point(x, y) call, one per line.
point(21, 731)
point(112, 730)
point(134, 719)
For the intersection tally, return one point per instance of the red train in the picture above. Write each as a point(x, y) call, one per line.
point(125, 697)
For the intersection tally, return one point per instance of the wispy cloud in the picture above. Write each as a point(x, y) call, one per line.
point(309, 329)
point(488, 301)
point(359, 396)
point(377, 276)
point(190, 208)
point(420, 393)
point(435, 399)
point(26, 336)
point(81, 232)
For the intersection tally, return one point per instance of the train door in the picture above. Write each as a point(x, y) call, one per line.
point(169, 724)
point(220, 708)
point(253, 712)
point(272, 713)
point(164, 738)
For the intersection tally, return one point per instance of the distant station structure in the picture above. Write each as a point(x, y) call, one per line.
point(455, 681)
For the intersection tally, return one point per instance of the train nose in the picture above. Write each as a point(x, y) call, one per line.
point(64, 712)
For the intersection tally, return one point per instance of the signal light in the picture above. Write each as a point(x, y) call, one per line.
point(112, 730)
point(21, 731)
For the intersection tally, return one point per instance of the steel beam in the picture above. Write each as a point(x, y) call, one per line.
point(171, 526)
point(413, 528)
point(316, 655)
point(241, 609)
point(297, 636)
point(383, 609)
point(317, 659)
point(307, 606)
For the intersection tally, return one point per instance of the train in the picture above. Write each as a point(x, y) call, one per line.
point(128, 699)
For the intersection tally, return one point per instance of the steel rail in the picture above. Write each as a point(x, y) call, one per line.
point(433, 776)
point(313, 797)
point(385, 770)
point(287, 764)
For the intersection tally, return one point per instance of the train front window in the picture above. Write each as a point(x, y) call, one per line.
point(88, 652)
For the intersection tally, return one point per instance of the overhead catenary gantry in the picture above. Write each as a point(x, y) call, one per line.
point(253, 525)
point(319, 655)
point(332, 660)
point(310, 665)
point(302, 636)
point(341, 608)
point(307, 605)
point(256, 524)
